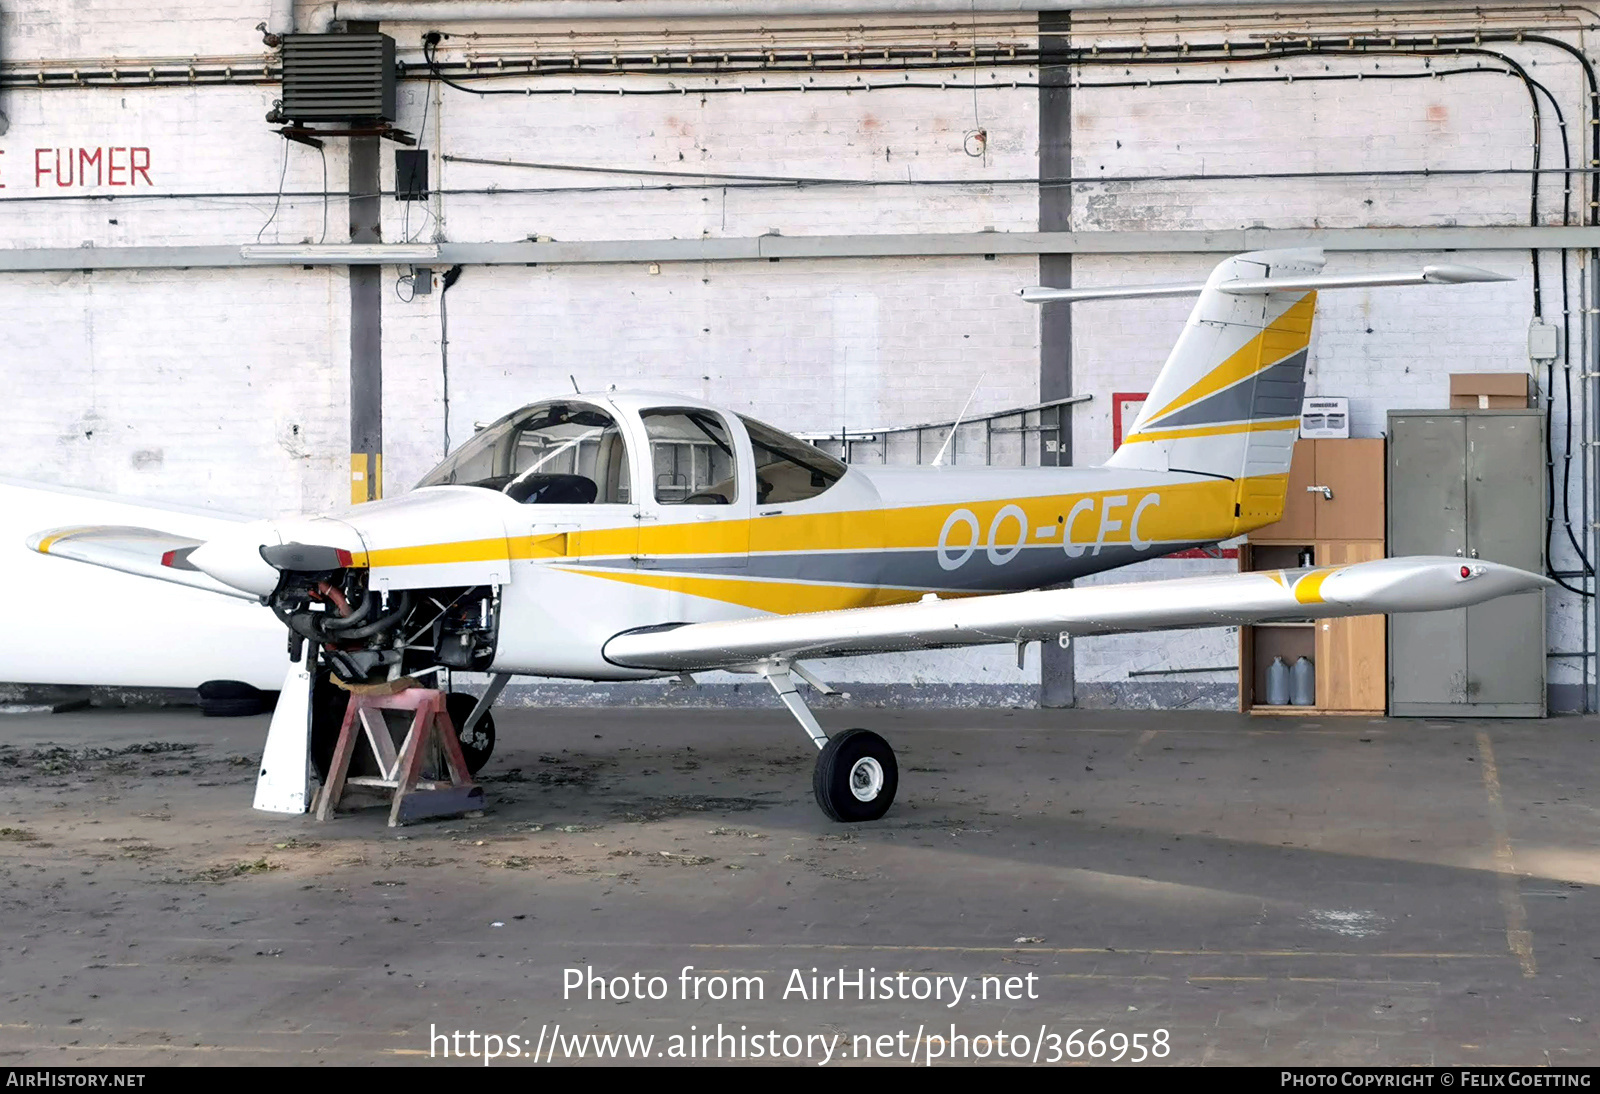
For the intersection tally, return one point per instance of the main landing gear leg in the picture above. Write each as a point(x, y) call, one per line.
point(474, 724)
point(856, 775)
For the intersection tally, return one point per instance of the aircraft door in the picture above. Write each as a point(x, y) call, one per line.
point(695, 518)
point(571, 468)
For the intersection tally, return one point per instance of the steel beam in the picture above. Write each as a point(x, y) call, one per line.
point(887, 245)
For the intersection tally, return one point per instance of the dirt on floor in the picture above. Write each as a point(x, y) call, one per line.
point(1255, 890)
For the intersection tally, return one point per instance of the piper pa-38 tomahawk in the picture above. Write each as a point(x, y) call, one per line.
point(635, 536)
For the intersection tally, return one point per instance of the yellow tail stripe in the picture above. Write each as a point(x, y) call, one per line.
point(1264, 426)
point(1289, 333)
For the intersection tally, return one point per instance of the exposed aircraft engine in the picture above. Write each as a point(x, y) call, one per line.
point(367, 634)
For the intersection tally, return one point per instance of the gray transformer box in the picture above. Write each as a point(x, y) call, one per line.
point(1469, 484)
point(346, 78)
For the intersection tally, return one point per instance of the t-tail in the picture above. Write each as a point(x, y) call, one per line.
point(1227, 402)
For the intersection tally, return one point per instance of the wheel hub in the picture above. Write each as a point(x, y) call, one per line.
point(866, 779)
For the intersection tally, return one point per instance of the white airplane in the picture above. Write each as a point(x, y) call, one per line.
point(616, 537)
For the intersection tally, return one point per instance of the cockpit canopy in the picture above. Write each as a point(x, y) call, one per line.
point(570, 451)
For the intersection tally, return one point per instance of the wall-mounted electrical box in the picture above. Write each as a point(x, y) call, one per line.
point(411, 174)
point(348, 78)
point(1544, 342)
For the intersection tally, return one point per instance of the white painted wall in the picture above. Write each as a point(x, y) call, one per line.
point(229, 388)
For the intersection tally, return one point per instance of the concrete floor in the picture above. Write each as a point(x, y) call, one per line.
point(1265, 890)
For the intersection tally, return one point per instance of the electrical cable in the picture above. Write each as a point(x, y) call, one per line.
point(323, 152)
point(1549, 403)
point(1592, 218)
point(807, 183)
point(422, 137)
point(282, 174)
point(451, 276)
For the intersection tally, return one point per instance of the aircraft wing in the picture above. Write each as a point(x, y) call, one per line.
point(1413, 584)
point(144, 552)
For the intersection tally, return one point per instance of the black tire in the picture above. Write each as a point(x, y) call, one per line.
point(477, 749)
point(855, 763)
point(230, 699)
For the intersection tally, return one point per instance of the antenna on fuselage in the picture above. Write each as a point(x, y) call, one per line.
point(576, 390)
point(950, 439)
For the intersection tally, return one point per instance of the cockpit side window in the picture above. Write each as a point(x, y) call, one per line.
point(787, 468)
point(547, 454)
point(691, 457)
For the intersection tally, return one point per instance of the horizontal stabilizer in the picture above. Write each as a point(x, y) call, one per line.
point(1429, 275)
point(1041, 295)
point(144, 552)
point(1417, 584)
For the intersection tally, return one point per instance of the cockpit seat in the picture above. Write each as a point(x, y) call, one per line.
point(553, 490)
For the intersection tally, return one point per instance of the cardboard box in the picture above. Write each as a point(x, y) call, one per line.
point(1489, 390)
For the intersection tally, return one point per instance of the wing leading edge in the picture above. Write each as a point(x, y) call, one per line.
point(1415, 584)
point(144, 552)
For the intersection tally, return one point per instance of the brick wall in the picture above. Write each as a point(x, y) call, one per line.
point(229, 387)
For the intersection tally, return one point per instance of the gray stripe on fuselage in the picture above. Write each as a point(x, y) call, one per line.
point(1031, 567)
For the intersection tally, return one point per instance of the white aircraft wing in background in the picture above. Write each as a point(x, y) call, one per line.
point(143, 552)
point(93, 625)
point(1421, 583)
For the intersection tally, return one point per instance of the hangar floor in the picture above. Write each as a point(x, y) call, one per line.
point(1266, 890)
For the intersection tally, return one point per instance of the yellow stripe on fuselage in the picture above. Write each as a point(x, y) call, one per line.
point(778, 597)
point(1184, 512)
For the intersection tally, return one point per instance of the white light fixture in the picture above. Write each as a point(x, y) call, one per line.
point(340, 254)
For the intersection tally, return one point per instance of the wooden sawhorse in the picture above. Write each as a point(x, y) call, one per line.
point(414, 796)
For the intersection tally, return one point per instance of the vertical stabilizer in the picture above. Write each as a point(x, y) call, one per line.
point(1227, 402)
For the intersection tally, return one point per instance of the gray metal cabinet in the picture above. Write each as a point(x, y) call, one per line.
point(1469, 484)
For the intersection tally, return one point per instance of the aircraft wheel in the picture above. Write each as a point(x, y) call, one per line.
point(856, 776)
point(476, 749)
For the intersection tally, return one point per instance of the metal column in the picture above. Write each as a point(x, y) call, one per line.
point(1057, 678)
point(366, 320)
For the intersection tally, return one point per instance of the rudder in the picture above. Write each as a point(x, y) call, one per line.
point(1227, 401)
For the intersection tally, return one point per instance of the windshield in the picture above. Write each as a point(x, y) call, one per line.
point(549, 453)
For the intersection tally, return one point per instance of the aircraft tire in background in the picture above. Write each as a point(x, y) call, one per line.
point(231, 699)
point(856, 776)
point(476, 750)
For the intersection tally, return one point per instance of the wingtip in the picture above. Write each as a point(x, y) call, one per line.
point(1451, 274)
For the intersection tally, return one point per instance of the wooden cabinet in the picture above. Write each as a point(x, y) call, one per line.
point(1350, 508)
point(1351, 654)
point(1341, 524)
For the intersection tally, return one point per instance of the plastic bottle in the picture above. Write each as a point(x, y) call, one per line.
point(1277, 683)
point(1303, 683)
